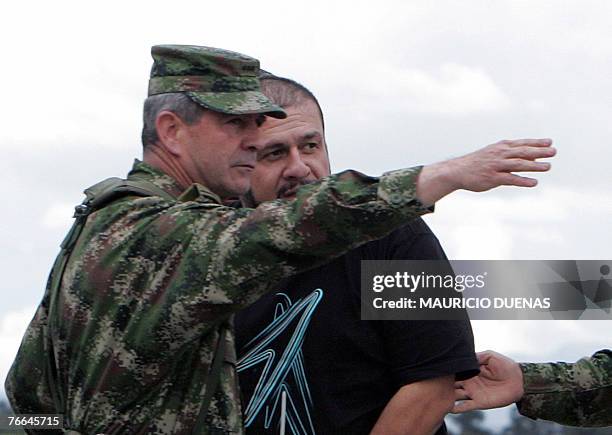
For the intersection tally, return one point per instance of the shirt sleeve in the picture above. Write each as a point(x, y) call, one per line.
point(575, 394)
point(426, 349)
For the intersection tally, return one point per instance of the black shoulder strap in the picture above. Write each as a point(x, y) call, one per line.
point(97, 197)
point(101, 194)
point(106, 191)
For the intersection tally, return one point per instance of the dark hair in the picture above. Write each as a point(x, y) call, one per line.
point(285, 92)
point(178, 103)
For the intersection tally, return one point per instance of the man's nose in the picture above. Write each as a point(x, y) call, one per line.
point(251, 139)
point(296, 168)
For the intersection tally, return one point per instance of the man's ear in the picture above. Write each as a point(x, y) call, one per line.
point(169, 130)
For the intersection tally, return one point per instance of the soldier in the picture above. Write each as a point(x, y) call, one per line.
point(133, 334)
point(578, 394)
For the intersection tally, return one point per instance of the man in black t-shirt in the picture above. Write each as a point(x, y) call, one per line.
point(307, 363)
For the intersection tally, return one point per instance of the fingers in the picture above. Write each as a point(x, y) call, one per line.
point(496, 164)
point(461, 394)
point(528, 142)
point(462, 400)
point(518, 165)
point(530, 152)
point(520, 156)
point(516, 180)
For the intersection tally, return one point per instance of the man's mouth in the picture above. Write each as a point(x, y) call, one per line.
point(289, 191)
point(249, 166)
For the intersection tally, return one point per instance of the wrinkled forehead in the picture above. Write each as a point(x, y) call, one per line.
point(302, 120)
point(306, 112)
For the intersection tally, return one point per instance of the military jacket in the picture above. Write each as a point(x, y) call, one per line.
point(151, 282)
point(578, 394)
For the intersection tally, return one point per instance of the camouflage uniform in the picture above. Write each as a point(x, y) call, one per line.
point(578, 394)
point(152, 282)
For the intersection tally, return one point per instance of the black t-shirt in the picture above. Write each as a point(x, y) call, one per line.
point(306, 341)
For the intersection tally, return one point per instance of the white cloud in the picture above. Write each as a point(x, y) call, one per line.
point(534, 224)
point(449, 89)
point(70, 119)
point(542, 340)
point(12, 327)
point(58, 216)
point(453, 90)
point(491, 240)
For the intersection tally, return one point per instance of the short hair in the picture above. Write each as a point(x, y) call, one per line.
point(285, 92)
point(178, 103)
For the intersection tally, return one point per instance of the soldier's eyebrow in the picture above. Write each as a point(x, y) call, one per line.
point(274, 145)
point(312, 135)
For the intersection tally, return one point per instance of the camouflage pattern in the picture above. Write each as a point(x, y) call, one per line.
point(578, 394)
point(219, 80)
point(151, 282)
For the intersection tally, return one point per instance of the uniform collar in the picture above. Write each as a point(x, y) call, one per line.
point(195, 192)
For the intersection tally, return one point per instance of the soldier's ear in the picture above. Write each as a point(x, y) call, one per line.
point(170, 128)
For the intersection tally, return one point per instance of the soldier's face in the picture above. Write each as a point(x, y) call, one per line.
point(292, 153)
point(222, 151)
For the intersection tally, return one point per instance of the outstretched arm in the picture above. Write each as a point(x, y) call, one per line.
point(575, 394)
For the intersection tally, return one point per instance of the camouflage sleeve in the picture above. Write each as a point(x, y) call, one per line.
point(578, 394)
point(262, 246)
point(170, 271)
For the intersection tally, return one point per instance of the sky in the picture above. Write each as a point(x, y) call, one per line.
point(400, 82)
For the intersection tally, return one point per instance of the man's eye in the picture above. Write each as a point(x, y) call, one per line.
point(274, 155)
point(239, 122)
point(310, 147)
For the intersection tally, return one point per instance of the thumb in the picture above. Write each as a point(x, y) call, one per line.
point(484, 357)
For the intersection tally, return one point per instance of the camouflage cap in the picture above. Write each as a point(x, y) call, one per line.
point(219, 80)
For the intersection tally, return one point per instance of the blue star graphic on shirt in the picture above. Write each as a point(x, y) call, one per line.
point(282, 370)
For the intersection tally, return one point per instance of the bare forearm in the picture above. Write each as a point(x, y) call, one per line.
point(435, 182)
point(417, 409)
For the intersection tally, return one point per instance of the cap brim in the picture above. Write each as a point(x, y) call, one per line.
point(238, 103)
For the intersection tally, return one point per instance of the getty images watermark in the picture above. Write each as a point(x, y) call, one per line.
point(492, 289)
